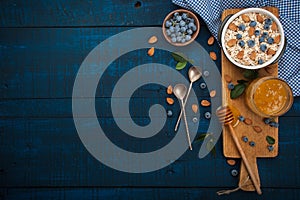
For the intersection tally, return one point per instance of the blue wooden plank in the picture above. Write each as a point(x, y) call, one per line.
point(144, 193)
point(34, 13)
point(42, 63)
point(48, 152)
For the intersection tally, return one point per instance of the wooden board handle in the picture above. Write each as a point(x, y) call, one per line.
point(245, 182)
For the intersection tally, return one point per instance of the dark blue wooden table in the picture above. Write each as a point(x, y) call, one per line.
point(42, 45)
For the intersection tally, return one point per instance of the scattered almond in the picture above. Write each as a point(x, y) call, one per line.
point(259, 18)
point(227, 78)
point(240, 55)
point(277, 39)
point(274, 26)
point(232, 27)
point(170, 101)
point(151, 51)
point(212, 93)
point(195, 108)
point(245, 18)
point(152, 40)
point(231, 162)
point(253, 55)
point(213, 55)
point(248, 121)
point(269, 70)
point(211, 40)
point(205, 103)
point(169, 89)
point(257, 129)
point(251, 31)
point(271, 51)
point(231, 42)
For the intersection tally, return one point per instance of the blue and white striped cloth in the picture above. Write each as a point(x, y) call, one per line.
point(289, 12)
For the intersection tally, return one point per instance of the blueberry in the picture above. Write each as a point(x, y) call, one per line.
point(268, 120)
point(195, 119)
point(261, 39)
point(194, 28)
point(263, 47)
point(191, 24)
point(178, 34)
point(230, 86)
point(241, 118)
point(241, 43)
point(172, 29)
point(168, 32)
point(173, 35)
point(178, 18)
point(207, 115)
point(271, 147)
point(182, 23)
point(202, 85)
point(168, 24)
point(266, 27)
point(238, 36)
point(177, 28)
point(257, 32)
point(169, 113)
point(183, 40)
point(270, 40)
point(190, 19)
point(252, 144)
point(189, 31)
point(245, 139)
point(268, 21)
point(274, 124)
point(173, 39)
point(260, 61)
point(234, 172)
point(252, 23)
point(188, 37)
point(184, 16)
point(183, 29)
point(206, 73)
point(242, 27)
point(176, 14)
point(251, 43)
point(265, 34)
point(178, 39)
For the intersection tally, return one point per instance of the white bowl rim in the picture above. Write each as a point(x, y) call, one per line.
point(257, 10)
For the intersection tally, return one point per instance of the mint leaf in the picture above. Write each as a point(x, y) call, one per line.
point(237, 91)
point(181, 65)
point(250, 74)
point(270, 140)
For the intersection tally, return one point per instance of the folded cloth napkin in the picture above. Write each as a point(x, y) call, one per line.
point(289, 12)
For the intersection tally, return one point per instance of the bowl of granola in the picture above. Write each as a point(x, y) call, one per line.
point(252, 38)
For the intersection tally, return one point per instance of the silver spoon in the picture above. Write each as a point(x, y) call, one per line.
point(180, 92)
point(194, 75)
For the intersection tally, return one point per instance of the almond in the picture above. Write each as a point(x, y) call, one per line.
point(213, 55)
point(245, 18)
point(274, 26)
point(231, 42)
point(259, 18)
point(253, 55)
point(269, 70)
point(170, 101)
point(248, 121)
point(231, 162)
point(152, 40)
point(240, 55)
point(271, 51)
point(227, 78)
point(212, 93)
point(169, 89)
point(195, 108)
point(232, 27)
point(251, 31)
point(211, 40)
point(205, 103)
point(257, 129)
point(277, 39)
point(151, 51)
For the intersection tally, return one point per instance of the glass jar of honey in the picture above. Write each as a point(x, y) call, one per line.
point(269, 96)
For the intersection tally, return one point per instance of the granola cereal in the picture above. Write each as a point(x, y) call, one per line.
point(252, 39)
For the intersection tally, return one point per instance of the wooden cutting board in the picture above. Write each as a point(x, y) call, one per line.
point(260, 150)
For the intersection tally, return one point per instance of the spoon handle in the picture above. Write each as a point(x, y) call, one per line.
point(186, 126)
point(180, 115)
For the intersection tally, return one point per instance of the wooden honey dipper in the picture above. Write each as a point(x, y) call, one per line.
point(226, 117)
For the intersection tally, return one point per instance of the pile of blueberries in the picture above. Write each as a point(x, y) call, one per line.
point(180, 27)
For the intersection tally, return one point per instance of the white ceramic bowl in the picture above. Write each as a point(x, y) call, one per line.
point(278, 53)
